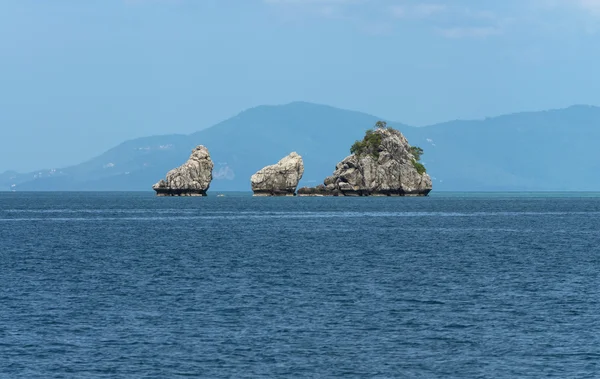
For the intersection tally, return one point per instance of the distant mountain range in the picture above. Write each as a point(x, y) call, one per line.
point(532, 151)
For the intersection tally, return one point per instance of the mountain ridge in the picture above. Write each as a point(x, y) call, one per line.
point(508, 152)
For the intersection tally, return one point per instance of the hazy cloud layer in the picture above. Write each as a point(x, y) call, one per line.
point(448, 19)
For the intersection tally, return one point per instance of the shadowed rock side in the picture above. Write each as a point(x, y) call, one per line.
point(280, 179)
point(190, 179)
point(385, 166)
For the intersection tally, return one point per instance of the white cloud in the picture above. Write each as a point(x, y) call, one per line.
point(142, 2)
point(469, 32)
point(583, 5)
point(452, 21)
point(417, 10)
point(320, 8)
point(427, 9)
point(444, 18)
point(567, 16)
point(590, 6)
point(304, 2)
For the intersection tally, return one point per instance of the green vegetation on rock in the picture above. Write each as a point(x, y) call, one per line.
point(381, 125)
point(370, 143)
point(419, 167)
point(416, 151)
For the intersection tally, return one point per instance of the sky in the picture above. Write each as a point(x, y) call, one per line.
point(79, 77)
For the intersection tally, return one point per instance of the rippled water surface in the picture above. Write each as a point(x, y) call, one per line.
point(450, 286)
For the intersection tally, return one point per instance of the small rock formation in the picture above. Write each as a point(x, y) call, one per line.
point(280, 179)
point(382, 164)
point(190, 179)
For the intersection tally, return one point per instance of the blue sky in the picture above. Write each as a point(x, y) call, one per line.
point(78, 77)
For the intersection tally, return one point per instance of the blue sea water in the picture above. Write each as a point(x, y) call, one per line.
point(109, 285)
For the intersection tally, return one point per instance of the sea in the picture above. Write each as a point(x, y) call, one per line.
point(454, 285)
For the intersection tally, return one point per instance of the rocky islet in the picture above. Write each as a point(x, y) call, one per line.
point(193, 178)
point(280, 179)
point(383, 164)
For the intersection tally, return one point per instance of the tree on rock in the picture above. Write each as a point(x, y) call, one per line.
point(380, 124)
point(416, 151)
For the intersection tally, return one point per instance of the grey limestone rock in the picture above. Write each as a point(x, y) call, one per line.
point(190, 179)
point(280, 179)
point(386, 169)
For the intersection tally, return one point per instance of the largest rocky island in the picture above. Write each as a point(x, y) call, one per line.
point(382, 164)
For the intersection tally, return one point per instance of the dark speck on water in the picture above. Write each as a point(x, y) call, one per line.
point(107, 285)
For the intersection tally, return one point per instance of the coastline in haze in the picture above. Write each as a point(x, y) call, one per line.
point(532, 151)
